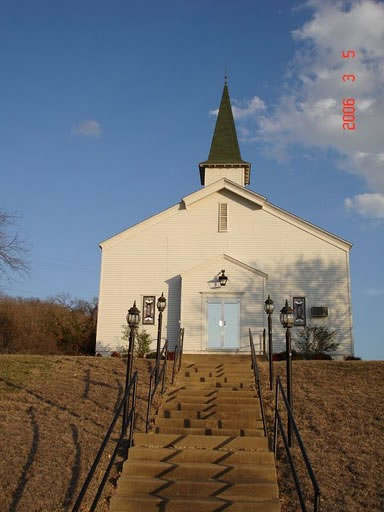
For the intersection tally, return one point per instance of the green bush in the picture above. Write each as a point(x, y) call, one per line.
point(315, 339)
point(142, 342)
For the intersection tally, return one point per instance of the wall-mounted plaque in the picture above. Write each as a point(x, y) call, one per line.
point(299, 311)
point(149, 309)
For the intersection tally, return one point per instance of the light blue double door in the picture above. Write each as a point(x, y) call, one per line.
point(223, 321)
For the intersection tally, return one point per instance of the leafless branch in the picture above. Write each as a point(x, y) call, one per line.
point(13, 247)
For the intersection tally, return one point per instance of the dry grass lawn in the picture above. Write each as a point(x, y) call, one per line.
point(54, 412)
point(339, 408)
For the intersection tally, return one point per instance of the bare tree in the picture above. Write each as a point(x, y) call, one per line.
point(13, 248)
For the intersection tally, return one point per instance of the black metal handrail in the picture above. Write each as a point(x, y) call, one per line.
point(156, 376)
point(257, 380)
point(178, 355)
point(279, 426)
point(128, 420)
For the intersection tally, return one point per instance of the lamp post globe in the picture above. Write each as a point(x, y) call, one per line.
point(269, 306)
point(161, 303)
point(287, 318)
point(133, 316)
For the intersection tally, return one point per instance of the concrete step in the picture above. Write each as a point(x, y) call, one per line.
point(211, 393)
point(232, 357)
point(200, 471)
point(191, 504)
point(203, 431)
point(213, 412)
point(234, 385)
point(209, 423)
point(212, 442)
point(214, 400)
point(189, 455)
point(209, 373)
point(138, 485)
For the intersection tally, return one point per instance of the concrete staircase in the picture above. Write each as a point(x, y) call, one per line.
point(207, 451)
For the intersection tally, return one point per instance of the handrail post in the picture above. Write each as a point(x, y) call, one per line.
point(133, 419)
point(174, 362)
point(270, 352)
point(289, 382)
point(275, 431)
point(164, 367)
point(181, 346)
point(149, 404)
point(264, 351)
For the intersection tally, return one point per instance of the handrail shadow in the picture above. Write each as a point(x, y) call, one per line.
point(287, 445)
point(127, 409)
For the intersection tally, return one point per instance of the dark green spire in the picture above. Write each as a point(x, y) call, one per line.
point(225, 146)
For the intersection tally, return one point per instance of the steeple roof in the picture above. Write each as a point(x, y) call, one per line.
point(225, 148)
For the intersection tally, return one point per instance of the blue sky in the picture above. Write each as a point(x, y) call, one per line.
point(106, 110)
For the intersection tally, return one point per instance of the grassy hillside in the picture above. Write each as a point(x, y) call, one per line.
point(339, 408)
point(54, 412)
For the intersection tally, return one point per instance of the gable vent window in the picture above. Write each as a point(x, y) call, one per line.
point(223, 217)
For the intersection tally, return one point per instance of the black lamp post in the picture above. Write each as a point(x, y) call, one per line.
point(223, 278)
point(287, 320)
point(133, 319)
point(161, 305)
point(268, 308)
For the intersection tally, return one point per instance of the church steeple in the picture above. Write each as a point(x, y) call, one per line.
point(225, 151)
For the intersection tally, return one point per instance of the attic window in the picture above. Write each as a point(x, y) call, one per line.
point(223, 217)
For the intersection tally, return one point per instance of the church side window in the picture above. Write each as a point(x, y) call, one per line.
point(223, 217)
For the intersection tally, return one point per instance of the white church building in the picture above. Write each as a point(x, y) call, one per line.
point(224, 226)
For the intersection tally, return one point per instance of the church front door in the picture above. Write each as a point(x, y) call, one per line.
point(223, 321)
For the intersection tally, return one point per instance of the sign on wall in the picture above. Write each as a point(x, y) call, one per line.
point(299, 311)
point(149, 309)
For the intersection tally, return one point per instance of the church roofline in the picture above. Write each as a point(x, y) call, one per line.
point(225, 183)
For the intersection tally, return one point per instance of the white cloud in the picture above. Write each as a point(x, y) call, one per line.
point(374, 292)
point(368, 205)
point(87, 128)
point(244, 109)
point(309, 113)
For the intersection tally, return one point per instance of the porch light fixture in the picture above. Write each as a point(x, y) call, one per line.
point(223, 278)
point(161, 303)
point(133, 317)
point(287, 318)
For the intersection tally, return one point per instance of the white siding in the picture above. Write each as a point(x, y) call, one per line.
point(235, 174)
point(147, 261)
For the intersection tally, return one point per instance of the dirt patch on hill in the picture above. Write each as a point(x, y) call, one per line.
point(54, 413)
point(339, 408)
